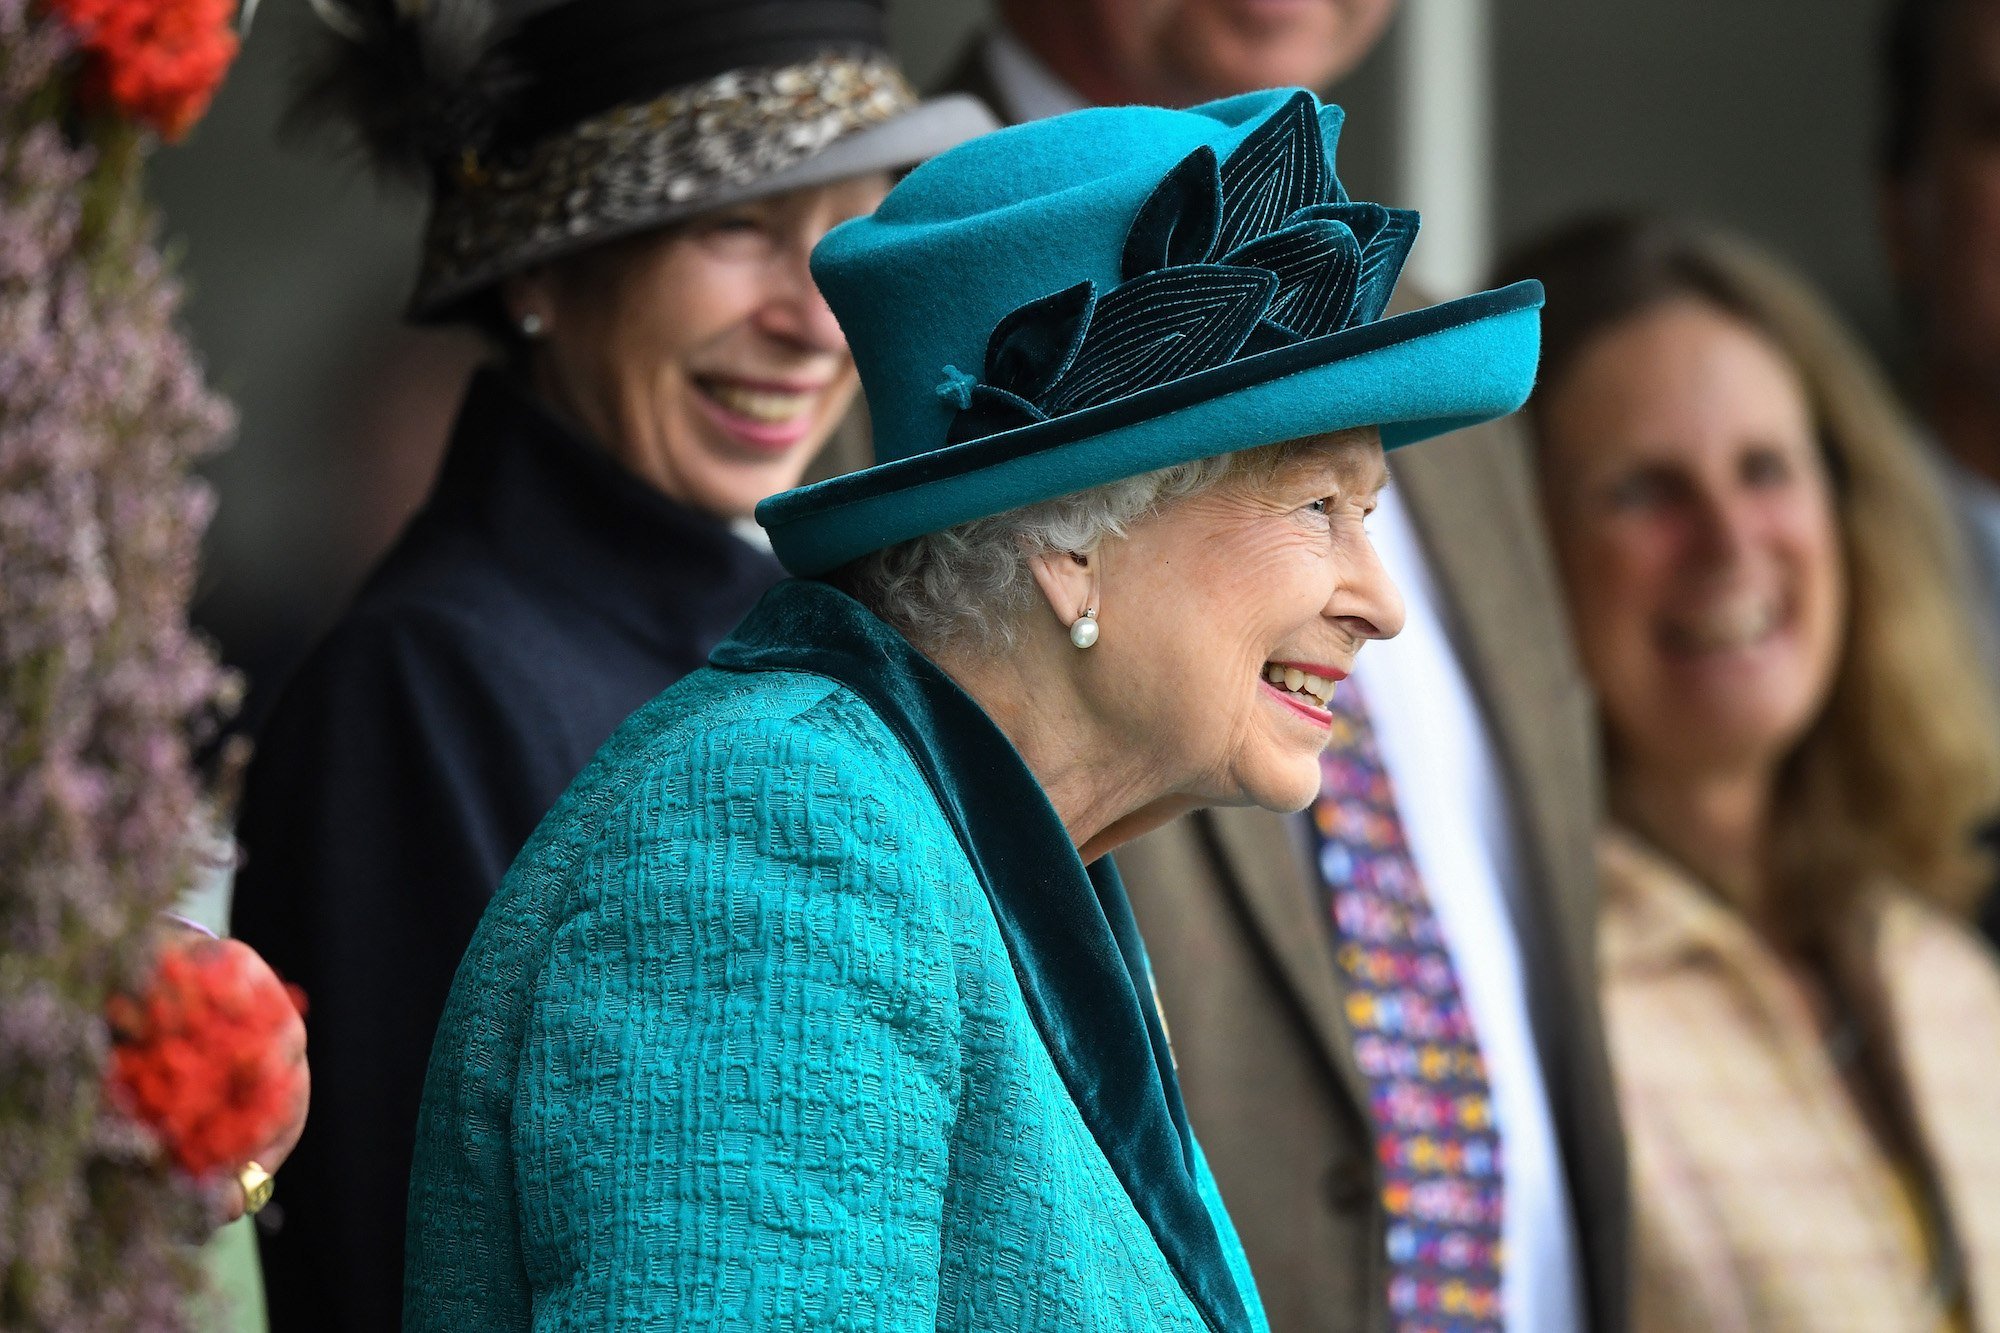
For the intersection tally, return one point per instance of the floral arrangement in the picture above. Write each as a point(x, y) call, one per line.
point(103, 689)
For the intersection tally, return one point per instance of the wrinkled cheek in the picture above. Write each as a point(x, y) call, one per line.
point(1223, 744)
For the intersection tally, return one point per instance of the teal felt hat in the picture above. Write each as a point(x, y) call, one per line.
point(1082, 299)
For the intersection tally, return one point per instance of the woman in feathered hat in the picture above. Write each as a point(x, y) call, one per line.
point(817, 1001)
point(624, 194)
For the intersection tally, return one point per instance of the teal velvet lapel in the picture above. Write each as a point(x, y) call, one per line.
point(1069, 931)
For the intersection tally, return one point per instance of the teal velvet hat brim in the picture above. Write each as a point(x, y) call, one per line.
point(1414, 376)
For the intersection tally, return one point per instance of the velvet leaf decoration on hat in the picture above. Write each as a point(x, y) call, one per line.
point(1160, 327)
point(1278, 170)
point(1178, 221)
point(1386, 235)
point(1318, 264)
point(1032, 347)
point(1224, 260)
point(988, 411)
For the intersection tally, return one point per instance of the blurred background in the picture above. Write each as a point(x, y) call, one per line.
point(1503, 115)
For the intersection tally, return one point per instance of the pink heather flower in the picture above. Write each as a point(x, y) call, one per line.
point(103, 409)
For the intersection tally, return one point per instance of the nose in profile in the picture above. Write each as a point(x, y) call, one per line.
point(795, 312)
point(1366, 602)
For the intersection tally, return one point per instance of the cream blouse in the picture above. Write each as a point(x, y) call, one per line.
point(1762, 1199)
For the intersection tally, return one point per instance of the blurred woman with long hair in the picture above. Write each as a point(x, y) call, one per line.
point(1800, 745)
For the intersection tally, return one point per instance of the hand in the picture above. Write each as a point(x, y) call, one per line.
point(227, 1194)
point(289, 1053)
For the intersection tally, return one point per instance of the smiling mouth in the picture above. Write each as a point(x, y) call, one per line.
point(1303, 686)
point(1729, 629)
point(764, 404)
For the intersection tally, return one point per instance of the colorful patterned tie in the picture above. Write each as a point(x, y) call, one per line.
point(1413, 1039)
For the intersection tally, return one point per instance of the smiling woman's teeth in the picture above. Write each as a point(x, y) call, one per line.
point(1728, 628)
point(1318, 688)
point(759, 404)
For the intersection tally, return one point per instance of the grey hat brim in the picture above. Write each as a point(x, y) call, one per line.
point(904, 141)
point(900, 142)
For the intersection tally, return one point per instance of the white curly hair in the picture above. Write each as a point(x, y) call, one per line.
point(971, 585)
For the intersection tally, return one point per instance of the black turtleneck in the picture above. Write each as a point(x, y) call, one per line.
point(542, 594)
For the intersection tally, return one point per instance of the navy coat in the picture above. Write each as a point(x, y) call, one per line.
point(541, 595)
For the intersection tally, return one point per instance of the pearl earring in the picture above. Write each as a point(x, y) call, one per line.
point(531, 325)
point(1083, 630)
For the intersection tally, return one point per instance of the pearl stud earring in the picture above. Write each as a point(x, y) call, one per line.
point(531, 325)
point(1083, 630)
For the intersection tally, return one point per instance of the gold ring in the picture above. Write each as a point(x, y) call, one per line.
point(257, 1186)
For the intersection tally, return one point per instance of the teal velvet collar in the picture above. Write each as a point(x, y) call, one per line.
point(1069, 931)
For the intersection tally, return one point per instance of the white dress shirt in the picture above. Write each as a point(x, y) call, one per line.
point(1452, 797)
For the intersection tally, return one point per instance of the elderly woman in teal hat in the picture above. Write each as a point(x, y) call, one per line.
point(817, 1001)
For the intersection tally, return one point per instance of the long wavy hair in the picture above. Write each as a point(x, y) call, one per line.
point(1895, 777)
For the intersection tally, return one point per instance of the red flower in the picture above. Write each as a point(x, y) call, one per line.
point(203, 1057)
point(156, 61)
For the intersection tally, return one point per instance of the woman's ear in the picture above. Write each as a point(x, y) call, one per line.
point(1068, 580)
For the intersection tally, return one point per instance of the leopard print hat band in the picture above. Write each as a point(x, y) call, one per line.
point(735, 136)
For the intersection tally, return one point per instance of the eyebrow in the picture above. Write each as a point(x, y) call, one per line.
point(1374, 485)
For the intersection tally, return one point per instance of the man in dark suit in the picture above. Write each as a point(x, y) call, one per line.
point(1315, 1043)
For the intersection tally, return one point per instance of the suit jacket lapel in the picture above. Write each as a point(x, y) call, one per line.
point(1259, 855)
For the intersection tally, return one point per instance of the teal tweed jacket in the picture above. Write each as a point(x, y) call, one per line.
point(799, 1011)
